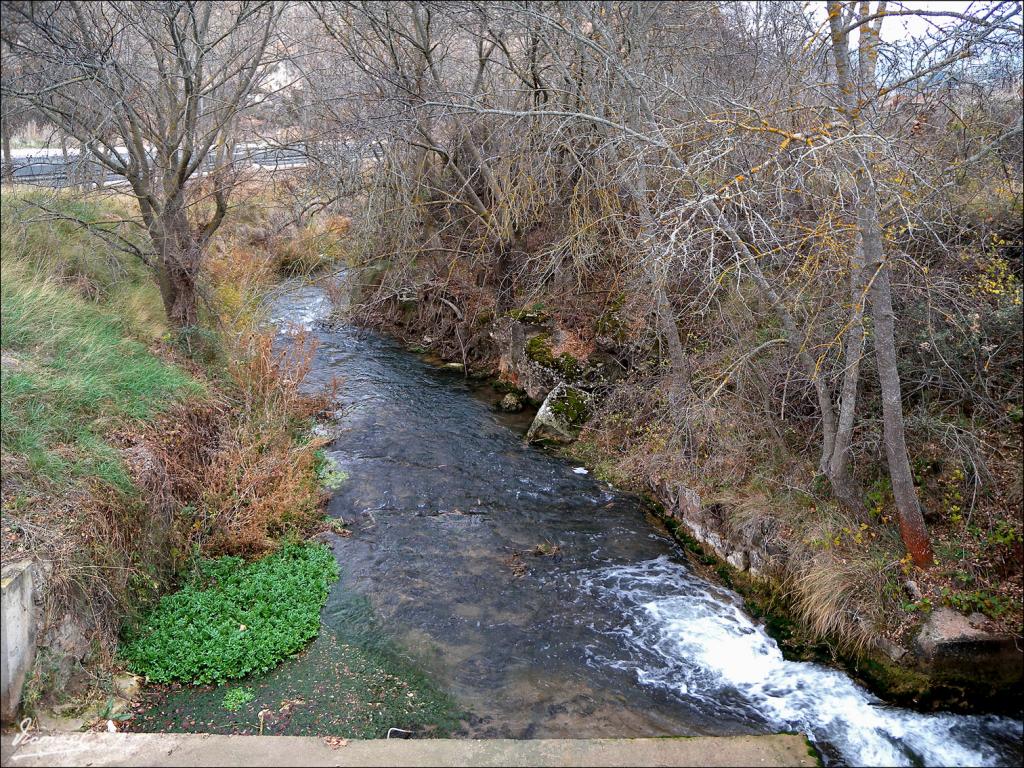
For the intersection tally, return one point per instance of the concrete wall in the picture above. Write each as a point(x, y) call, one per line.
point(18, 633)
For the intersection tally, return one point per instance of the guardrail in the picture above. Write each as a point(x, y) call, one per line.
point(57, 171)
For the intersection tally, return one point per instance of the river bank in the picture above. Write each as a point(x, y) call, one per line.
point(531, 600)
point(134, 456)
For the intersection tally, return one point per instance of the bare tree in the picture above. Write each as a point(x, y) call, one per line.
point(154, 91)
point(862, 106)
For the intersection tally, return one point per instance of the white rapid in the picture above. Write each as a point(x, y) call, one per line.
point(693, 640)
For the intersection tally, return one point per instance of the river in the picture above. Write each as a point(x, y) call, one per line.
point(546, 602)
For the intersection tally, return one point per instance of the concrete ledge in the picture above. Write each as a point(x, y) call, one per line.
point(17, 633)
point(158, 749)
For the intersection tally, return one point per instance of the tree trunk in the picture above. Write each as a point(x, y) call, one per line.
point(911, 521)
point(179, 290)
point(8, 170)
point(680, 385)
point(840, 472)
point(875, 268)
point(178, 269)
point(69, 174)
point(503, 281)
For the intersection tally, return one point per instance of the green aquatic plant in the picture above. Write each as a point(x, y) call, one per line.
point(328, 473)
point(353, 681)
point(236, 698)
point(233, 619)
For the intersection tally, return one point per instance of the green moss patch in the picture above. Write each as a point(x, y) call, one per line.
point(538, 349)
point(572, 407)
point(533, 315)
point(568, 366)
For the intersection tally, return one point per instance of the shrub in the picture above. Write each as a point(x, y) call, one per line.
point(247, 471)
point(317, 246)
point(233, 619)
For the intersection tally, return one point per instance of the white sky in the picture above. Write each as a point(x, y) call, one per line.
point(916, 26)
point(903, 27)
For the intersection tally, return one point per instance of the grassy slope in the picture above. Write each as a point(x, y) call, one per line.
point(78, 321)
point(78, 376)
point(73, 316)
point(75, 370)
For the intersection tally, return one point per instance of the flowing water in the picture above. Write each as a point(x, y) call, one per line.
point(546, 602)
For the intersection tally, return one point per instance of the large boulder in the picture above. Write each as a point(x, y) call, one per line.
point(956, 647)
point(528, 358)
point(515, 366)
point(560, 415)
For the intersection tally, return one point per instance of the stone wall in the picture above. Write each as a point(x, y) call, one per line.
point(746, 547)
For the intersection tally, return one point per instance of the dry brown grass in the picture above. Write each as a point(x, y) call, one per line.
point(570, 343)
point(241, 469)
point(315, 246)
point(837, 598)
point(101, 555)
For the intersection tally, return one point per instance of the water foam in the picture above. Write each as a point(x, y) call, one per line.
point(691, 639)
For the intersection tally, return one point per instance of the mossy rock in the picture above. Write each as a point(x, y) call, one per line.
point(560, 415)
point(572, 407)
point(538, 349)
point(569, 366)
point(609, 324)
point(534, 315)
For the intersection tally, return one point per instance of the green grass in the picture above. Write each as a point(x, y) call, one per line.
point(72, 377)
point(75, 314)
point(62, 250)
point(234, 619)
